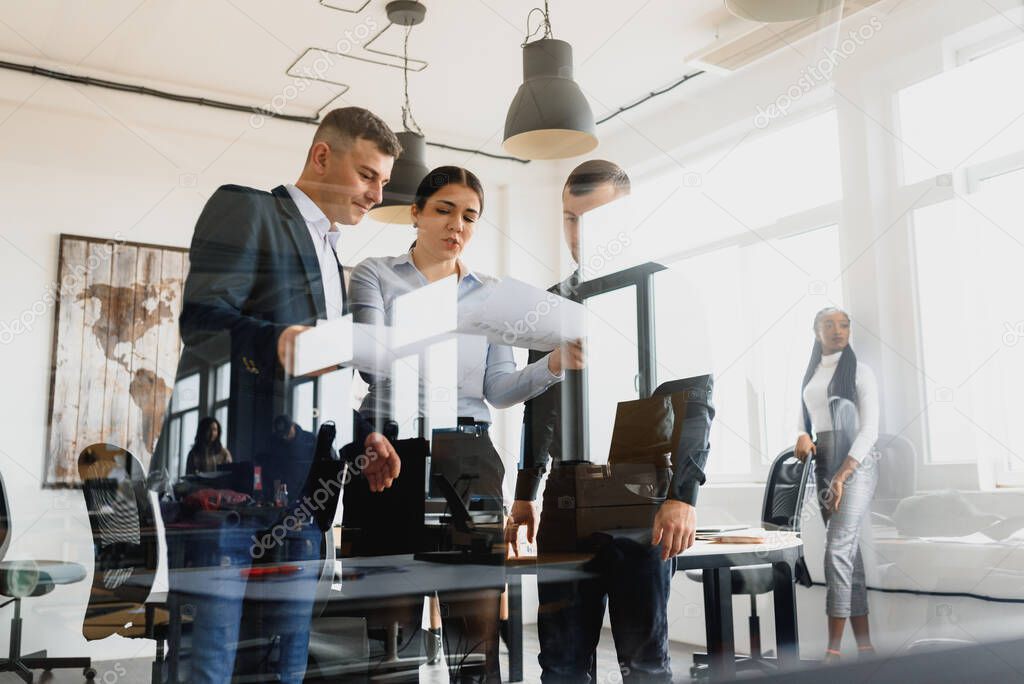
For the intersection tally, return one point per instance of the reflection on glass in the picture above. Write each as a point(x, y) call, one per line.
point(611, 337)
point(302, 405)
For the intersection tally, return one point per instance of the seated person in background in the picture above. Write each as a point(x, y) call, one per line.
point(207, 452)
point(634, 579)
point(287, 457)
point(448, 203)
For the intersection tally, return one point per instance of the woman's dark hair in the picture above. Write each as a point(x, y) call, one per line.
point(843, 385)
point(447, 175)
point(200, 445)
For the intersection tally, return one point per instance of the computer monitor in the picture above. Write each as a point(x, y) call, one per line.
point(237, 477)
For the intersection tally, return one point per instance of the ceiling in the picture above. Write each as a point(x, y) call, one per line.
point(239, 50)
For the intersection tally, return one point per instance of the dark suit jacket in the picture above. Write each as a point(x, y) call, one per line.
point(254, 271)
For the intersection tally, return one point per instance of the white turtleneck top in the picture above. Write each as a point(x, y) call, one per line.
point(816, 397)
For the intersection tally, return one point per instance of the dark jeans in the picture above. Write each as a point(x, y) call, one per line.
point(212, 593)
point(634, 583)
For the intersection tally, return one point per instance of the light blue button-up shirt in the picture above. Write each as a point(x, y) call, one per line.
point(485, 371)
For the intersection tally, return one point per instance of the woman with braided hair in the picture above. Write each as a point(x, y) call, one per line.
point(839, 405)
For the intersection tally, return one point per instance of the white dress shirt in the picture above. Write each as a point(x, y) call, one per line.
point(325, 238)
point(485, 370)
point(815, 396)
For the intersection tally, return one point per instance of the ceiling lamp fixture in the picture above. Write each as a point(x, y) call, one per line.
point(411, 165)
point(769, 11)
point(549, 117)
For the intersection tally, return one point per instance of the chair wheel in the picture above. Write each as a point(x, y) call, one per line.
point(89, 673)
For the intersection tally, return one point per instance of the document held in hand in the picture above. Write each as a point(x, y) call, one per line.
point(517, 314)
point(326, 345)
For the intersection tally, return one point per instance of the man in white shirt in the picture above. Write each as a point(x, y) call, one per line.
point(263, 268)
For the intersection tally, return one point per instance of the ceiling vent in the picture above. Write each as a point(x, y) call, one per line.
point(752, 42)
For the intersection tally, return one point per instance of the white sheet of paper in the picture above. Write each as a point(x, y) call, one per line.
point(327, 344)
point(372, 348)
point(425, 312)
point(442, 383)
point(521, 315)
point(335, 403)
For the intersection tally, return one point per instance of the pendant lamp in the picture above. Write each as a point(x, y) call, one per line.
point(549, 117)
point(411, 165)
point(408, 171)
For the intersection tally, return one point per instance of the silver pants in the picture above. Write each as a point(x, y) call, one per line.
point(846, 587)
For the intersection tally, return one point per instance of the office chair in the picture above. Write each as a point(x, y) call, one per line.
point(24, 578)
point(124, 534)
point(897, 471)
point(688, 396)
point(780, 511)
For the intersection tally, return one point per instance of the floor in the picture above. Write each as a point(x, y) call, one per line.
point(607, 666)
point(137, 671)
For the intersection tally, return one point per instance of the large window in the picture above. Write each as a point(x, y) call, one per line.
point(964, 126)
point(745, 185)
point(744, 313)
point(184, 419)
point(204, 392)
point(966, 116)
point(969, 253)
point(750, 237)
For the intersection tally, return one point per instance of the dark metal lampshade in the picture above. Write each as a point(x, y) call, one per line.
point(408, 171)
point(549, 117)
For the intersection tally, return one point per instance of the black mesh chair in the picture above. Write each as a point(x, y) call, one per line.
point(780, 511)
point(125, 549)
point(25, 578)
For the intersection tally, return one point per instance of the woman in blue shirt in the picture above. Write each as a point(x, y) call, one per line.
point(448, 204)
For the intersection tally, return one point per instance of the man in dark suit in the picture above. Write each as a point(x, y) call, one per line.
point(263, 269)
point(633, 578)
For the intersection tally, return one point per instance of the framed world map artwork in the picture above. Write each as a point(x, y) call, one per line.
point(115, 348)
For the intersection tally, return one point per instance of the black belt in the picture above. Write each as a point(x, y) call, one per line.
point(468, 425)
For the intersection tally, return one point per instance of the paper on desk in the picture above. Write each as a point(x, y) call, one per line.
point(326, 345)
point(520, 315)
point(744, 535)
